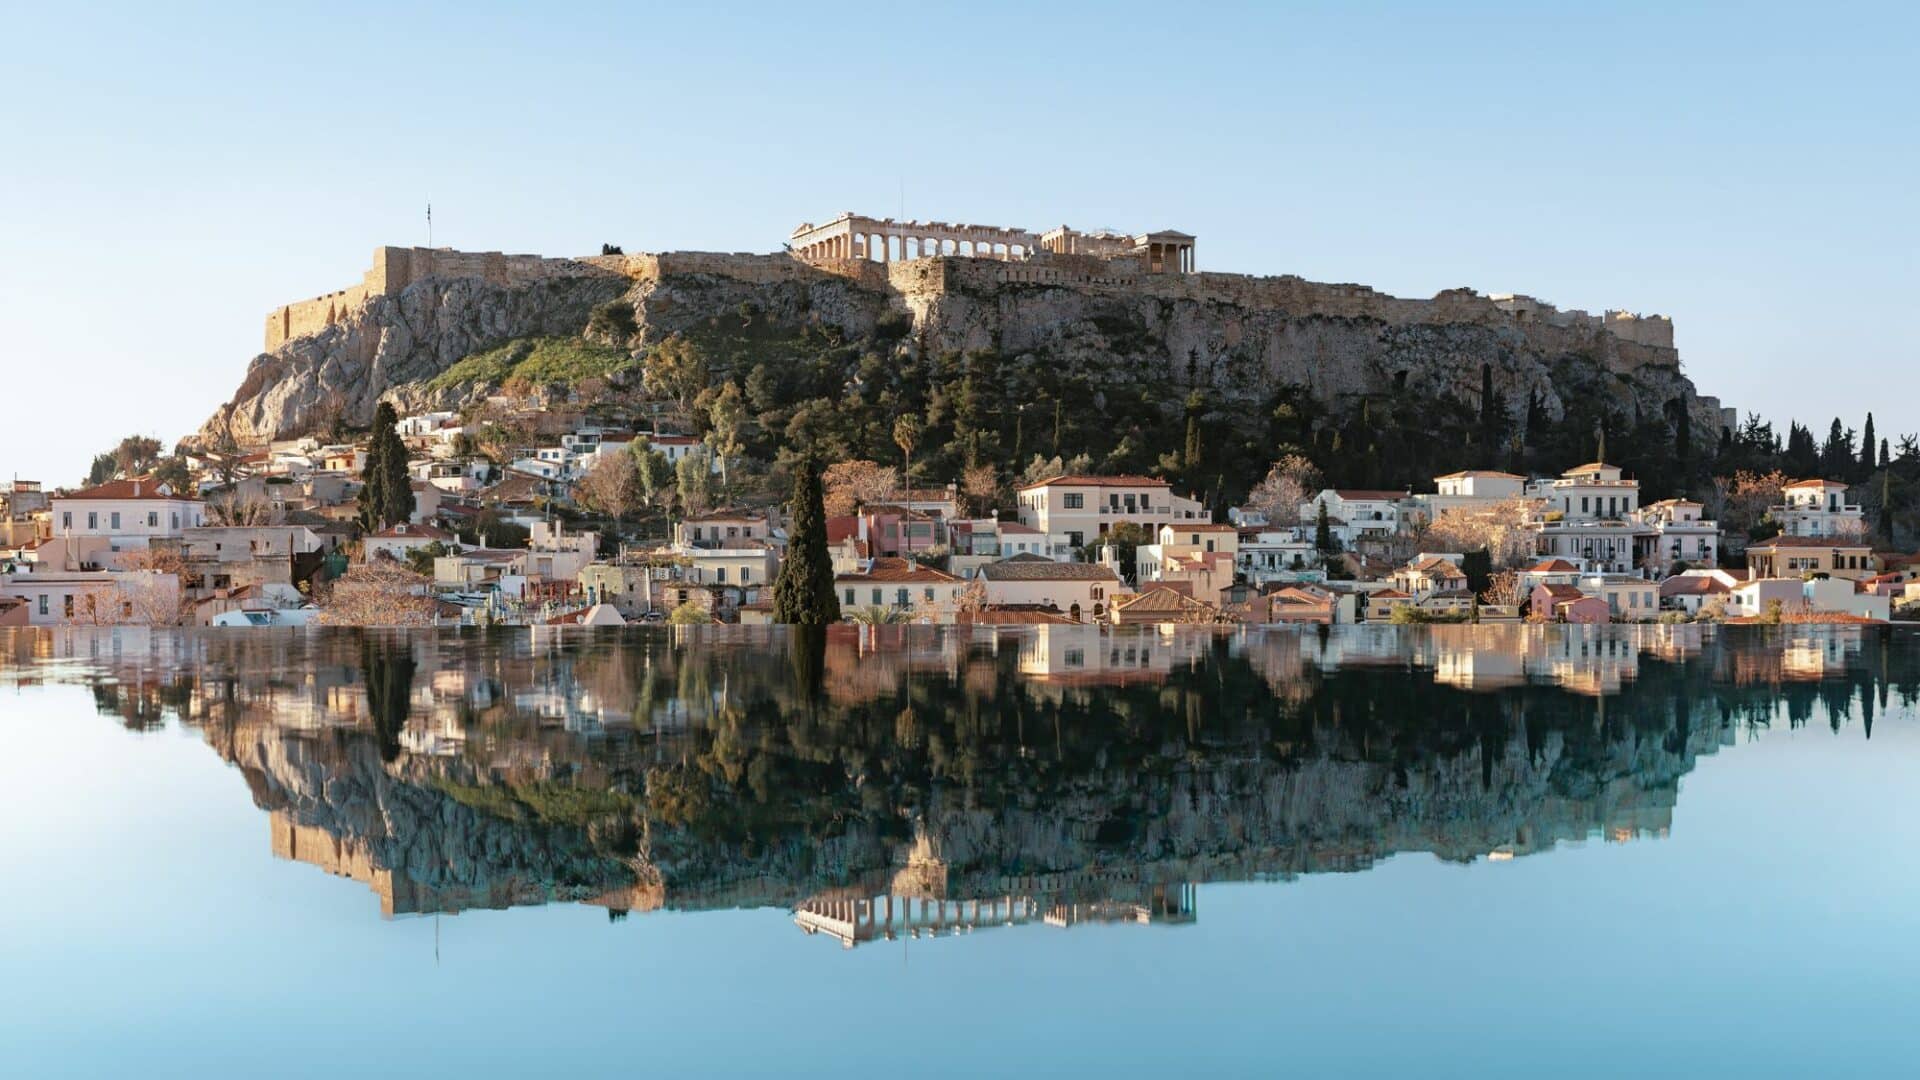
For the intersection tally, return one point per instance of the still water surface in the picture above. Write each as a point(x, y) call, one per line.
point(1457, 851)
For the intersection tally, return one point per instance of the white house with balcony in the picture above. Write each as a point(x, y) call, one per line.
point(1355, 514)
point(97, 526)
point(1592, 492)
point(1818, 508)
point(1473, 489)
point(1074, 511)
point(979, 541)
point(1680, 534)
point(1607, 547)
point(1273, 555)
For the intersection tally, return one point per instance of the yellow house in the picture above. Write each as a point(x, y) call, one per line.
point(1799, 556)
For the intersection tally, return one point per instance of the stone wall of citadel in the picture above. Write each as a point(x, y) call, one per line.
point(394, 268)
point(1637, 340)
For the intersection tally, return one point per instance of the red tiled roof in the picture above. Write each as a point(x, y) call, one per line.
point(1014, 615)
point(1560, 593)
point(1020, 568)
point(1083, 480)
point(1553, 566)
point(1813, 484)
point(1693, 585)
point(409, 531)
point(1808, 542)
point(1367, 495)
point(1162, 597)
point(896, 570)
point(140, 487)
point(1491, 474)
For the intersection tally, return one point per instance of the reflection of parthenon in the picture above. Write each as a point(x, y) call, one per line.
point(852, 236)
point(853, 917)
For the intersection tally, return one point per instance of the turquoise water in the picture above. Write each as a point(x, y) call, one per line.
point(1455, 851)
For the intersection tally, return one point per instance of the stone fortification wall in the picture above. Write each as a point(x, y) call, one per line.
point(1632, 340)
point(394, 268)
point(753, 269)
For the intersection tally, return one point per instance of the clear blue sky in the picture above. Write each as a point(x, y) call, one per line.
point(169, 175)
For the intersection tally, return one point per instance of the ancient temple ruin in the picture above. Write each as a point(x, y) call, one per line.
point(854, 236)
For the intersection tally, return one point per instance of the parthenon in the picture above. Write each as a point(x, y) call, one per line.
point(854, 236)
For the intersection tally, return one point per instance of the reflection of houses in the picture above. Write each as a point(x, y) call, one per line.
point(1088, 654)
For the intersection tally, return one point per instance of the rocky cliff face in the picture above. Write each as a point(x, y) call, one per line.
point(391, 345)
point(1243, 337)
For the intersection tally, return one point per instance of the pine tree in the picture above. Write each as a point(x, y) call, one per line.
point(803, 593)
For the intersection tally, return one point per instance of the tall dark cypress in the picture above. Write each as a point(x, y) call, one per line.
point(386, 493)
point(803, 593)
point(398, 489)
point(1868, 447)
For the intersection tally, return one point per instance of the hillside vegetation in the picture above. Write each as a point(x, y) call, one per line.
point(532, 362)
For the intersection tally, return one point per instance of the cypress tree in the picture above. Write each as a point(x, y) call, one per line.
point(1683, 445)
point(1323, 532)
point(386, 493)
point(1886, 505)
point(1868, 446)
point(803, 593)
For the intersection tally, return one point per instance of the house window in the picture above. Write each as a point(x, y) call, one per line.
point(1076, 539)
point(849, 597)
point(153, 519)
point(720, 575)
point(43, 603)
point(876, 598)
point(93, 520)
point(900, 598)
point(67, 604)
point(66, 520)
point(114, 519)
point(744, 571)
point(929, 592)
point(1074, 501)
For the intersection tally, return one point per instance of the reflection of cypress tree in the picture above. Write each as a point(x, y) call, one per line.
point(807, 654)
point(387, 669)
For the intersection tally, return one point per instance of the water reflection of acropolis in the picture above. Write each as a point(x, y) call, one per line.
point(882, 783)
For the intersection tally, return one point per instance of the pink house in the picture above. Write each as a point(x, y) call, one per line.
point(1564, 603)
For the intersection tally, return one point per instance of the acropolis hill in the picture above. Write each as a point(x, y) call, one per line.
point(1112, 302)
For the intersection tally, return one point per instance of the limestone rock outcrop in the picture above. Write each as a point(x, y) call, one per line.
point(393, 345)
point(1244, 336)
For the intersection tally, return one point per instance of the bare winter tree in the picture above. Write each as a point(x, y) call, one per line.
point(850, 484)
point(378, 594)
point(1288, 484)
